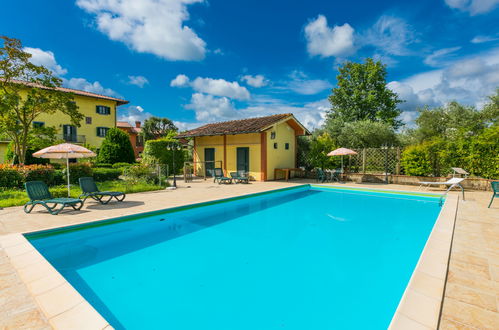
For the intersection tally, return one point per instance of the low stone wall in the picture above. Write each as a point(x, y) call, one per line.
point(469, 183)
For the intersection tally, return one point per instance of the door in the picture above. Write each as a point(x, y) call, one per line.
point(242, 160)
point(209, 158)
point(69, 133)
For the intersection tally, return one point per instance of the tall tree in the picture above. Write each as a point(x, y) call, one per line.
point(155, 128)
point(26, 91)
point(362, 94)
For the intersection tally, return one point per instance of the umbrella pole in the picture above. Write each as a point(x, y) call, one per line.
point(67, 168)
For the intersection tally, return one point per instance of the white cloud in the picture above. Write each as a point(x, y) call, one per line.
point(436, 58)
point(46, 59)
point(468, 81)
point(255, 81)
point(216, 87)
point(482, 39)
point(209, 108)
point(92, 87)
point(220, 87)
point(391, 35)
point(132, 113)
point(149, 26)
point(473, 7)
point(301, 84)
point(180, 80)
point(139, 81)
point(324, 41)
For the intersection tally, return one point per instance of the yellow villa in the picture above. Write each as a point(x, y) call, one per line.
point(258, 146)
point(100, 115)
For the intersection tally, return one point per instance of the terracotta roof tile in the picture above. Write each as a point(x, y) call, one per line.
point(123, 124)
point(250, 125)
point(76, 92)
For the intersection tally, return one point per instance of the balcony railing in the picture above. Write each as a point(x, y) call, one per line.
point(80, 139)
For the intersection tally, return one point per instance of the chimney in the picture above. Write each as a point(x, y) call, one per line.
point(137, 124)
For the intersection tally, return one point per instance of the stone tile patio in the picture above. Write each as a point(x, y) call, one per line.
point(472, 290)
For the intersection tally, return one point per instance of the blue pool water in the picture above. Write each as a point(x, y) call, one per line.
point(303, 258)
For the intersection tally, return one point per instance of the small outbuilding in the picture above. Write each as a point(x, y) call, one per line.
point(257, 146)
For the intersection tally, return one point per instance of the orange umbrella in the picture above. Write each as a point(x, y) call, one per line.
point(341, 152)
point(65, 151)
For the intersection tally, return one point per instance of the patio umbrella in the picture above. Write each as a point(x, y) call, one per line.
point(65, 151)
point(341, 152)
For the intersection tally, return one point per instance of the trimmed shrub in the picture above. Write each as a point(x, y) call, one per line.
point(106, 174)
point(14, 176)
point(103, 165)
point(76, 171)
point(10, 176)
point(156, 152)
point(116, 148)
point(121, 165)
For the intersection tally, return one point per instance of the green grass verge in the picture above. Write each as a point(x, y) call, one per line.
point(17, 197)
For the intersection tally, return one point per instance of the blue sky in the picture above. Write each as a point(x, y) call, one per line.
point(197, 61)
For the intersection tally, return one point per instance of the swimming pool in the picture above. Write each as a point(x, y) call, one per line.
point(302, 258)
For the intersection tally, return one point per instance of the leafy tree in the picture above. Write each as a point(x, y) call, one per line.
point(116, 148)
point(26, 91)
point(320, 146)
point(367, 134)
point(39, 138)
point(361, 94)
point(155, 128)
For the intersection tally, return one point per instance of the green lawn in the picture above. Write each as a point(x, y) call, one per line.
point(16, 197)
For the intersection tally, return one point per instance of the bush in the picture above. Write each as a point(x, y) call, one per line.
point(121, 165)
point(103, 165)
point(10, 176)
point(14, 176)
point(106, 174)
point(415, 160)
point(156, 152)
point(116, 148)
point(76, 171)
point(140, 173)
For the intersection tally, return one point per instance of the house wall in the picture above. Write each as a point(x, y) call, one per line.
point(232, 142)
point(204, 142)
point(280, 157)
point(252, 141)
point(87, 106)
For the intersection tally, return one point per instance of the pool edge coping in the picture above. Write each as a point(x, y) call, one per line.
point(421, 304)
point(46, 284)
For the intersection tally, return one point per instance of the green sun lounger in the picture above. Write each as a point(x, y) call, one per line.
point(239, 178)
point(39, 194)
point(89, 189)
point(218, 176)
point(495, 191)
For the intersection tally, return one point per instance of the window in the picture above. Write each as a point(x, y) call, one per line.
point(286, 146)
point(275, 145)
point(69, 133)
point(103, 110)
point(102, 131)
point(88, 120)
point(139, 142)
point(37, 124)
point(272, 135)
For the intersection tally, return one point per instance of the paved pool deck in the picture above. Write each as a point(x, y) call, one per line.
point(472, 288)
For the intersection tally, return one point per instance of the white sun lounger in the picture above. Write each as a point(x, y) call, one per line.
point(451, 183)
